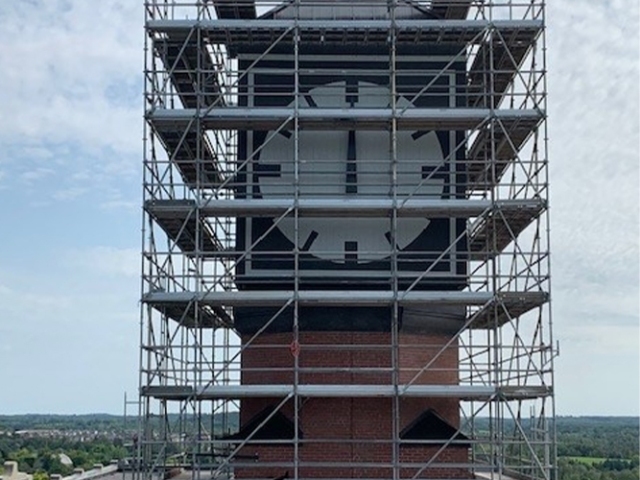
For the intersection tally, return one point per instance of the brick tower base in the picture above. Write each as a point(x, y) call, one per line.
point(353, 434)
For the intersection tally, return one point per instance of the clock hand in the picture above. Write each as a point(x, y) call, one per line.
point(352, 178)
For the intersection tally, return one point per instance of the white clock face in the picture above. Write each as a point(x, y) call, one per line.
point(351, 164)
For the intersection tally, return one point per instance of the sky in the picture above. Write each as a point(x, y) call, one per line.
point(70, 194)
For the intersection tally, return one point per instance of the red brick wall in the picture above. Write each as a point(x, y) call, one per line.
point(346, 358)
point(359, 461)
point(268, 360)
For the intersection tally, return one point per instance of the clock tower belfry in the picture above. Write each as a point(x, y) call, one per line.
point(346, 268)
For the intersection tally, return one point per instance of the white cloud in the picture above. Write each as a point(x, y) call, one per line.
point(59, 67)
point(595, 132)
point(70, 90)
point(594, 137)
point(129, 205)
point(36, 174)
point(67, 324)
point(4, 290)
point(31, 305)
point(593, 65)
point(106, 260)
point(598, 369)
point(37, 152)
point(70, 193)
point(604, 338)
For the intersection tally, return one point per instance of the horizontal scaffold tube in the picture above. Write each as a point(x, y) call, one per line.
point(339, 207)
point(348, 391)
point(273, 118)
point(342, 298)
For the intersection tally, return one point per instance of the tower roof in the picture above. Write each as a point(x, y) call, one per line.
point(277, 427)
point(431, 426)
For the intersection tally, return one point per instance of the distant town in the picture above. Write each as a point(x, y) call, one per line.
point(92, 447)
point(73, 435)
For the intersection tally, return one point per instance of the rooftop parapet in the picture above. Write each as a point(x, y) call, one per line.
point(11, 472)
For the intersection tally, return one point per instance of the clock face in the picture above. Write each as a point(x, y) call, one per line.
point(352, 164)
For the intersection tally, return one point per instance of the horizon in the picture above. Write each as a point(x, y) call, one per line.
point(231, 412)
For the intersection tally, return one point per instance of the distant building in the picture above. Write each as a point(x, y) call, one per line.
point(11, 472)
point(65, 460)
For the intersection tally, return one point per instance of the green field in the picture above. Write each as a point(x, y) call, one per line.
point(587, 460)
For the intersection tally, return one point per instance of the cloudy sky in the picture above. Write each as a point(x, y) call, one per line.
point(70, 132)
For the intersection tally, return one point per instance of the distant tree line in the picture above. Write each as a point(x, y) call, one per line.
point(602, 437)
point(573, 469)
point(590, 448)
point(42, 455)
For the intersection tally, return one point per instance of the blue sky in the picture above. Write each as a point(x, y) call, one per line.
point(70, 168)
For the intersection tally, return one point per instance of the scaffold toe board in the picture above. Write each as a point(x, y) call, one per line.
point(345, 207)
point(318, 298)
point(268, 31)
point(508, 304)
point(271, 118)
point(469, 392)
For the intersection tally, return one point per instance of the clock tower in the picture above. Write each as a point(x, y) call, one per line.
point(341, 154)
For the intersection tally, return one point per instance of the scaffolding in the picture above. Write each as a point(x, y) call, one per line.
point(313, 166)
